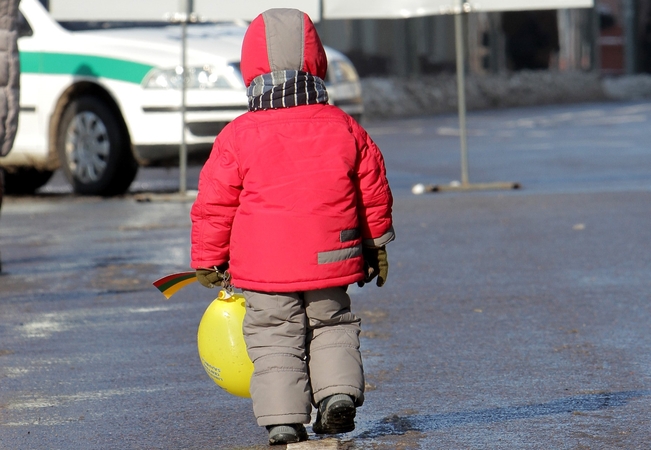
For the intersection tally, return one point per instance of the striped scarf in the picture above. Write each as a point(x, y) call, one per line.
point(285, 88)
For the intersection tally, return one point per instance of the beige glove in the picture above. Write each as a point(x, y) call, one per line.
point(217, 276)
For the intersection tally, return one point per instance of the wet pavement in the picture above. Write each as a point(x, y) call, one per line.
point(511, 319)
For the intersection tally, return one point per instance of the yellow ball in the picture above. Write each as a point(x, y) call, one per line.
point(221, 344)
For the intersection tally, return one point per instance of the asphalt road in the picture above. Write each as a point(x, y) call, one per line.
point(511, 319)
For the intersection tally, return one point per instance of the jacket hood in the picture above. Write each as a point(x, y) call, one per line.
point(282, 39)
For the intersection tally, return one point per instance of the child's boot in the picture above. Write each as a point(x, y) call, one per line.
point(335, 414)
point(286, 434)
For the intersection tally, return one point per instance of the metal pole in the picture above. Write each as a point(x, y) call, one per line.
point(461, 95)
point(465, 185)
point(183, 153)
point(629, 37)
point(594, 38)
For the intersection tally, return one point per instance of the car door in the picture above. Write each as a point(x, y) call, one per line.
point(31, 137)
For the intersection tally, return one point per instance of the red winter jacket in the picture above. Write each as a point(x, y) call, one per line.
point(289, 195)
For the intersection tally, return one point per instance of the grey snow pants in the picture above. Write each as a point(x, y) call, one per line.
point(304, 347)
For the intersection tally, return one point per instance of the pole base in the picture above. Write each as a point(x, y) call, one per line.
point(189, 196)
point(460, 187)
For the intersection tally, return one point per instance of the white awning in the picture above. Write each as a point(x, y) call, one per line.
point(160, 9)
point(249, 9)
point(520, 5)
point(112, 10)
point(388, 9)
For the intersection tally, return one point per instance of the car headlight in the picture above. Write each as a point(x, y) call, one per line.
point(341, 71)
point(206, 77)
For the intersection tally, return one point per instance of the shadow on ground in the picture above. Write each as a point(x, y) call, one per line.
point(399, 425)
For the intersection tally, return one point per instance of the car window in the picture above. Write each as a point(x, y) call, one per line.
point(22, 26)
point(80, 25)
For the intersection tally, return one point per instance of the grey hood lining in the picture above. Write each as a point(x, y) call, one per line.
point(285, 36)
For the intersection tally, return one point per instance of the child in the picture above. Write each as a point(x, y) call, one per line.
point(295, 204)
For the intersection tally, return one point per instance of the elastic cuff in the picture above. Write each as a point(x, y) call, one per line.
point(283, 419)
point(381, 241)
point(355, 393)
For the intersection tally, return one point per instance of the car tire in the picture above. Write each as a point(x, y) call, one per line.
point(25, 181)
point(94, 150)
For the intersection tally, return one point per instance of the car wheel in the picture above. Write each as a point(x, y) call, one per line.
point(25, 181)
point(94, 149)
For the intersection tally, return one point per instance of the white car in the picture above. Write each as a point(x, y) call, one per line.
point(100, 103)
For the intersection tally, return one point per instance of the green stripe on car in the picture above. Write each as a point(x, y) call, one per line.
point(83, 65)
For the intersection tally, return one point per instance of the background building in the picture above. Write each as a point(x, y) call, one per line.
point(612, 38)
